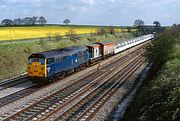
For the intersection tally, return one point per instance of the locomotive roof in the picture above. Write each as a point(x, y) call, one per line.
point(62, 51)
point(93, 45)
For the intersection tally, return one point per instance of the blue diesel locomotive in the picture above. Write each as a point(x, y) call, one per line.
point(48, 65)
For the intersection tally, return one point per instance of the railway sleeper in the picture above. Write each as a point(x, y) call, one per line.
point(39, 108)
point(33, 110)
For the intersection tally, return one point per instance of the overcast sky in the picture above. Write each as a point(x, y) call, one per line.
point(96, 12)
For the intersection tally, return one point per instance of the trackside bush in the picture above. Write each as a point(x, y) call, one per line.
point(160, 50)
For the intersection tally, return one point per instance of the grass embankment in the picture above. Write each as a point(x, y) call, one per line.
point(159, 98)
point(13, 57)
point(30, 32)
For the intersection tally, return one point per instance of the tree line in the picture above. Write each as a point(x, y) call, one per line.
point(140, 25)
point(24, 21)
point(140, 22)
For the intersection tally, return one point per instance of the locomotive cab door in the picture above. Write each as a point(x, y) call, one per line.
point(50, 67)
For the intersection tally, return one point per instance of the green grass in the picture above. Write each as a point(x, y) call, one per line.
point(13, 57)
point(159, 99)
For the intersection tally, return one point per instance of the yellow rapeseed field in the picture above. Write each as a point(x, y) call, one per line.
point(17, 33)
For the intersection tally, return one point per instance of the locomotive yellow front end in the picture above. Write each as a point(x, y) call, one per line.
point(36, 68)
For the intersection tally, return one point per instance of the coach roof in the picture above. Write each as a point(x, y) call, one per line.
point(106, 42)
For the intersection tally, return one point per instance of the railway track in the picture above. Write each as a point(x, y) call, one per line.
point(46, 105)
point(17, 94)
point(89, 105)
point(12, 82)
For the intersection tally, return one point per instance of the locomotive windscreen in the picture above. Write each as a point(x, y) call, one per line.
point(36, 58)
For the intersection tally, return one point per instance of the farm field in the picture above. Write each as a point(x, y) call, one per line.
point(19, 33)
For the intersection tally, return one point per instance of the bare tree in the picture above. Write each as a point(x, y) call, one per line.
point(66, 21)
point(92, 38)
point(57, 36)
point(71, 34)
point(101, 31)
point(49, 35)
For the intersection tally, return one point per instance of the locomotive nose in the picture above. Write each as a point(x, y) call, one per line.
point(36, 69)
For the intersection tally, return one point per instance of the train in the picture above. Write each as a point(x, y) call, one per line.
point(44, 67)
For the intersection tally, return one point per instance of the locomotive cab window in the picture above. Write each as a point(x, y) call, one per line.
point(36, 58)
point(31, 60)
point(50, 61)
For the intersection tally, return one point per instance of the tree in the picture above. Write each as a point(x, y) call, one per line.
point(157, 23)
point(28, 21)
point(17, 21)
point(138, 22)
point(92, 38)
point(42, 20)
point(128, 29)
point(101, 31)
point(111, 30)
point(160, 50)
point(71, 34)
point(49, 35)
point(57, 36)
point(7, 22)
point(35, 19)
point(66, 21)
